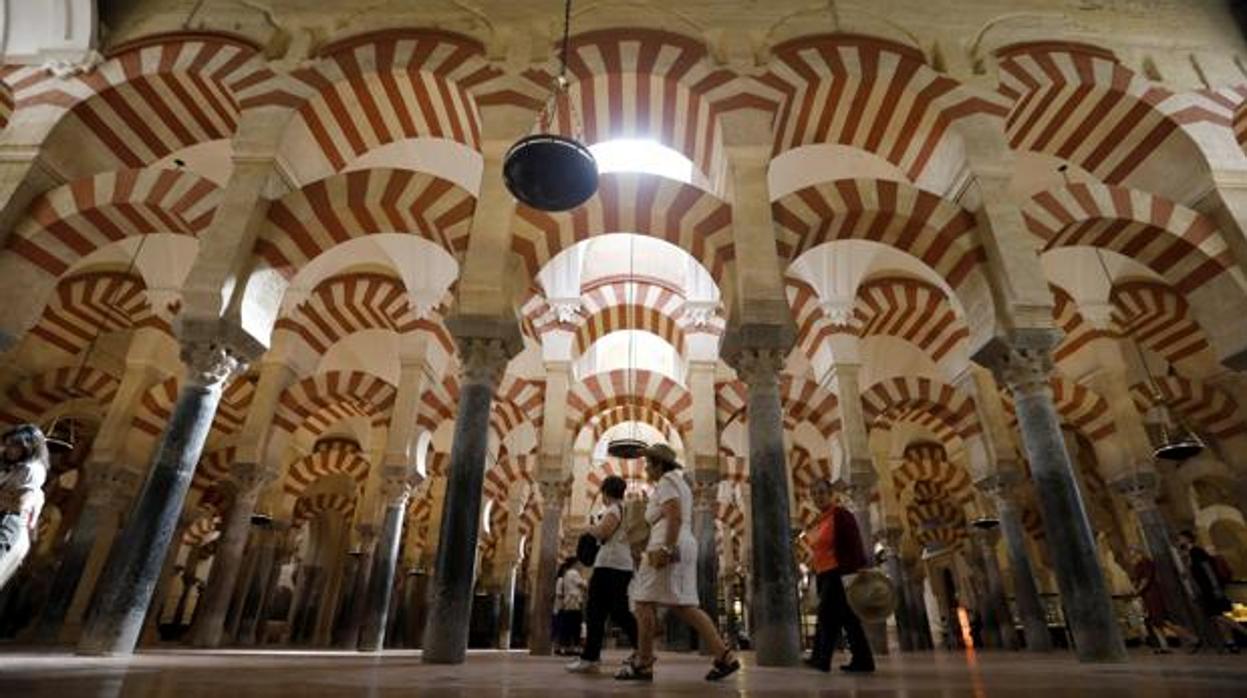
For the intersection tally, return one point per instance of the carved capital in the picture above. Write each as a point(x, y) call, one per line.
point(109, 486)
point(758, 368)
point(1002, 486)
point(1140, 490)
point(1023, 361)
point(210, 363)
point(396, 490)
point(483, 360)
point(554, 492)
point(250, 478)
point(705, 493)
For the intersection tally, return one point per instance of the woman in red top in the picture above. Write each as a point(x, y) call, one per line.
point(836, 543)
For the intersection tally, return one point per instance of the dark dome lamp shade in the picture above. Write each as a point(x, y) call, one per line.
point(547, 171)
point(985, 523)
point(627, 448)
point(550, 172)
point(1177, 446)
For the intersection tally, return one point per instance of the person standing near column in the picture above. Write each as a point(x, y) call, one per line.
point(668, 573)
point(608, 584)
point(571, 593)
point(1210, 589)
point(837, 550)
point(1156, 615)
point(23, 469)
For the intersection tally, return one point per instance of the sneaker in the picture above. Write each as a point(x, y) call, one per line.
point(582, 666)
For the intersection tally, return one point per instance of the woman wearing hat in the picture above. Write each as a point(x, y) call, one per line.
point(836, 544)
point(23, 468)
point(668, 572)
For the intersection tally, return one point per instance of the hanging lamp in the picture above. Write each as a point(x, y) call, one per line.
point(629, 447)
point(1177, 443)
point(547, 171)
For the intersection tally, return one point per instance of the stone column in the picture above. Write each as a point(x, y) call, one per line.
point(396, 490)
point(916, 598)
point(446, 633)
point(776, 627)
point(359, 591)
point(248, 480)
point(553, 495)
point(1003, 491)
point(1025, 366)
point(895, 569)
point(705, 503)
point(255, 595)
point(996, 606)
point(130, 576)
point(86, 550)
point(1140, 490)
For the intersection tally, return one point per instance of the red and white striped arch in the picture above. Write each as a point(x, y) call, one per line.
point(640, 83)
point(1178, 243)
point(7, 102)
point(213, 468)
point(308, 222)
point(1078, 333)
point(378, 88)
point(803, 401)
point(236, 399)
point(612, 417)
point(439, 403)
point(504, 473)
point(523, 400)
point(927, 462)
point(155, 407)
point(343, 305)
point(611, 305)
point(70, 222)
point(92, 304)
point(1081, 408)
point(32, 399)
point(309, 508)
point(632, 471)
point(328, 458)
point(1078, 103)
point(867, 93)
point(681, 214)
point(1239, 120)
point(936, 522)
point(912, 310)
point(893, 400)
point(814, 326)
point(152, 97)
point(202, 530)
point(1159, 318)
point(318, 402)
point(621, 388)
point(917, 222)
point(1209, 409)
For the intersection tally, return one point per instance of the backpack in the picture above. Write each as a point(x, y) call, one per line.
point(635, 526)
point(587, 549)
point(1222, 570)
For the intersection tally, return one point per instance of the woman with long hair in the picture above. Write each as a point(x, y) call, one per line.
point(668, 572)
point(23, 469)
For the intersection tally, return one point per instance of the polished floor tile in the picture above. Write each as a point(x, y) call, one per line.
point(281, 674)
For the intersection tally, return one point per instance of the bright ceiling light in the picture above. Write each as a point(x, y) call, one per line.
point(642, 155)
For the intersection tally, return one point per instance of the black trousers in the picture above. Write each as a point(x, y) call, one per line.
point(608, 597)
point(567, 625)
point(834, 616)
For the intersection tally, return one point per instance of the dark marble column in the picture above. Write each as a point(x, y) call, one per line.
point(998, 603)
point(553, 494)
point(705, 502)
point(255, 592)
point(446, 633)
point(100, 516)
point(130, 575)
point(1025, 366)
point(358, 610)
point(1003, 491)
point(1140, 491)
point(248, 480)
point(396, 491)
point(896, 571)
point(775, 626)
point(917, 600)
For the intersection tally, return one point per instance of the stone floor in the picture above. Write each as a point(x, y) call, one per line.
point(234, 674)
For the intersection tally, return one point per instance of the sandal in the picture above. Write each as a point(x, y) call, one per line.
point(632, 670)
point(726, 665)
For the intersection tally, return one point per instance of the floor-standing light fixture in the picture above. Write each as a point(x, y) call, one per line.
point(546, 171)
point(631, 446)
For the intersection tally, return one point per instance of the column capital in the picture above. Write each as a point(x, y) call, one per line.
point(554, 491)
point(705, 493)
point(396, 487)
point(757, 366)
point(250, 478)
point(214, 349)
point(1139, 488)
point(110, 485)
point(483, 360)
point(1002, 484)
point(1022, 360)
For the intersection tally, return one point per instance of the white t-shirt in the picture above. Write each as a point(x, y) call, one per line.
point(613, 553)
point(671, 486)
point(573, 590)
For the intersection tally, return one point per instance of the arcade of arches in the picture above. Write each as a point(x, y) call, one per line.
point(328, 385)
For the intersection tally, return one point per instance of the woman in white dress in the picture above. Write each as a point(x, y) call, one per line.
point(668, 572)
point(23, 469)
